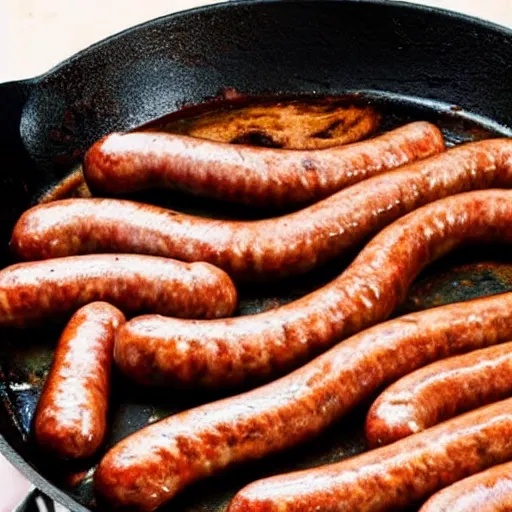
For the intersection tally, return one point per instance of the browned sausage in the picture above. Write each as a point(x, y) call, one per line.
point(488, 491)
point(158, 350)
point(121, 163)
point(30, 292)
point(151, 466)
point(291, 244)
point(71, 416)
point(393, 476)
point(438, 392)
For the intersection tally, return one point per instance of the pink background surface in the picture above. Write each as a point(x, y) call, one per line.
point(35, 35)
point(13, 485)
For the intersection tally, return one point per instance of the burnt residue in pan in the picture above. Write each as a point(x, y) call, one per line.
point(26, 357)
point(292, 124)
point(461, 277)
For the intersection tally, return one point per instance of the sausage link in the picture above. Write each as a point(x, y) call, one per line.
point(438, 392)
point(31, 292)
point(158, 350)
point(393, 476)
point(71, 416)
point(253, 250)
point(151, 466)
point(488, 491)
point(121, 163)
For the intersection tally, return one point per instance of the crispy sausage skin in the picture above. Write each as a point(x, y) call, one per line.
point(254, 250)
point(71, 416)
point(151, 466)
point(121, 163)
point(393, 476)
point(438, 392)
point(31, 292)
point(488, 491)
point(158, 350)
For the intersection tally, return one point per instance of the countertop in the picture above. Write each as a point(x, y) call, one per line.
point(35, 35)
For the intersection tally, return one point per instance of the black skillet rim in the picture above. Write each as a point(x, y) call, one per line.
point(6, 449)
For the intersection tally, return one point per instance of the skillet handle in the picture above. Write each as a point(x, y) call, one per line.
point(13, 96)
point(17, 169)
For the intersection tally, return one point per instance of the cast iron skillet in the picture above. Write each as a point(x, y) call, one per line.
point(414, 61)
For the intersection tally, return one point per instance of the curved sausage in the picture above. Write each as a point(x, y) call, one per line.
point(253, 250)
point(151, 466)
point(158, 350)
point(393, 476)
point(438, 392)
point(488, 491)
point(31, 292)
point(121, 163)
point(71, 416)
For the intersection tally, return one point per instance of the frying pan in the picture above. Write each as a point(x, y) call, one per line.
point(414, 61)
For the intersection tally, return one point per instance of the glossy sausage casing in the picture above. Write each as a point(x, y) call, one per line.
point(286, 245)
point(439, 391)
point(121, 163)
point(488, 491)
point(157, 350)
point(71, 416)
point(394, 476)
point(266, 249)
point(149, 467)
point(31, 292)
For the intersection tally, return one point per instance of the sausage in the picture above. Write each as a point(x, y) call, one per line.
point(438, 392)
point(31, 292)
point(488, 491)
point(265, 249)
point(152, 465)
point(121, 163)
point(71, 416)
point(159, 350)
point(393, 476)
